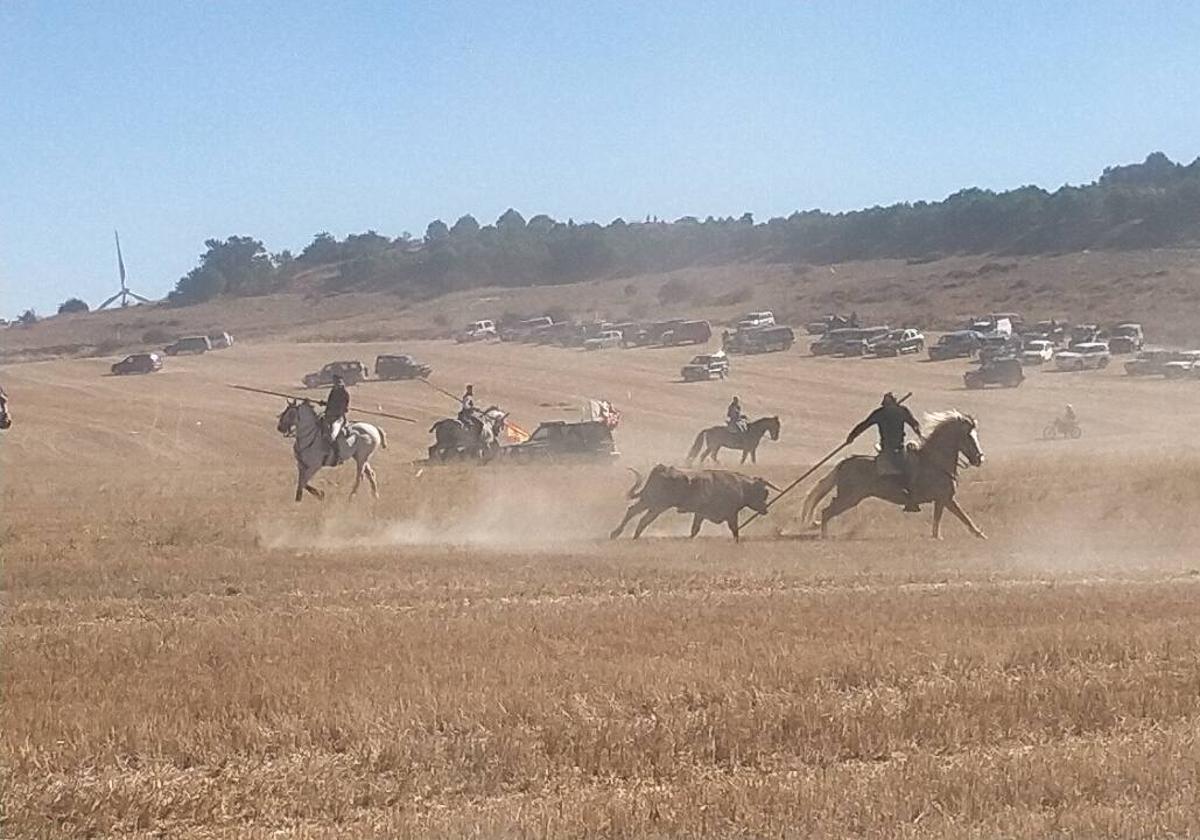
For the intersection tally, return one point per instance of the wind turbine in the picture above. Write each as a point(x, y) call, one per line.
point(124, 295)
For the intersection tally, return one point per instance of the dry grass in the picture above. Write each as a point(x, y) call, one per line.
point(167, 673)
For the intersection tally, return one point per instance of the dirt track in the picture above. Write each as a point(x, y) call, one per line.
point(190, 651)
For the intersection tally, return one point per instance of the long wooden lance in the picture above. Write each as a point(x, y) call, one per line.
point(321, 402)
point(807, 473)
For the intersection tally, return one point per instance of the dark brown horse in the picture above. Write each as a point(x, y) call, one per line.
point(935, 476)
point(716, 438)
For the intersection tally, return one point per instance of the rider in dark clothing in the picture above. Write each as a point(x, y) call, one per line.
point(891, 418)
point(337, 405)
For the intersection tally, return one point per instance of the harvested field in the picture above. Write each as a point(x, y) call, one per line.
point(187, 653)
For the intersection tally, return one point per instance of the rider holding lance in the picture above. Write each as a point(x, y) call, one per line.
point(337, 405)
point(891, 417)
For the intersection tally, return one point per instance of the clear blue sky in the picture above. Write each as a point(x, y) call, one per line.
point(180, 121)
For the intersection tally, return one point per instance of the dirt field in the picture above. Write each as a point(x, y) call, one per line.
point(188, 653)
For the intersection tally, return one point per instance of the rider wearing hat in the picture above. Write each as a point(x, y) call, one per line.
point(891, 417)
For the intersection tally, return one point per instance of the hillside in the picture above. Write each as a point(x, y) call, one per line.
point(1159, 287)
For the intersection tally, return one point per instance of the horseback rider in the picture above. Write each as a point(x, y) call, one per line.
point(468, 415)
point(735, 418)
point(1069, 420)
point(891, 417)
point(337, 405)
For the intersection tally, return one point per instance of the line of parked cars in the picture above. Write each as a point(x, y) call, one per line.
point(1169, 364)
point(191, 345)
point(388, 367)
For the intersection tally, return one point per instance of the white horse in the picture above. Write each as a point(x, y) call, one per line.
point(5, 417)
point(312, 450)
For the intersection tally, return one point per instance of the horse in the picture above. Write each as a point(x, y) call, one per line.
point(935, 475)
point(454, 438)
point(313, 451)
point(712, 440)
point(6, 420)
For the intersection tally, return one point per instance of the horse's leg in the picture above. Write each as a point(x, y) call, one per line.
point(358, 476)
point(634, 510)
point(369, 471)
point(301, 481)
point(746, 453)
point(645, 521)
point(714, 452)
point(837, 506)
point(938, 509)
point(697, 521)
point(954, 508)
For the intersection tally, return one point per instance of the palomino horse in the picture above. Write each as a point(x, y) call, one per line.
point(716, 438)
point(935, 475)
point(455, 440)
point(5, 418)
point(312, 451)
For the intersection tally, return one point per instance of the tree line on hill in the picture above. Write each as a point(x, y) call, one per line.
point(1152, 204)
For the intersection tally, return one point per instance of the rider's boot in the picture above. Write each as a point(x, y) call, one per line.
point(910, 501)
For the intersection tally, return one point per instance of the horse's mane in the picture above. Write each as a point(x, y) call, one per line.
point(940, 421)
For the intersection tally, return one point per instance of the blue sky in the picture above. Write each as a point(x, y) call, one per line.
point(180, 121)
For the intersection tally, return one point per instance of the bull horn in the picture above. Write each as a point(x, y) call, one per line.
point(772, 486)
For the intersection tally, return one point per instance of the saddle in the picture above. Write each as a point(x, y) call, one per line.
point(893, 463)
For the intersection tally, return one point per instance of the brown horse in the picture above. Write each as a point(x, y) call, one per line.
point(935, 475)
point(716, 438)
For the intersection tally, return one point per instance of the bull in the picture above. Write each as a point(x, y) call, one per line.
point(715, 495)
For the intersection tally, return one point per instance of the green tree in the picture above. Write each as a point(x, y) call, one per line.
point(73, 305)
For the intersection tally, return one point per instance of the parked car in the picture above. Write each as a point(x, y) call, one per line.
point(558, 440)
point(1037, 352)
point(688, 332)
point(191, 345)
point(1154, 362)
point(754, 320)
point(1187, 367)
point(523, 330)
point(847, 341)
point(604, 340)
point(705, 366)
point(1084, 334)
point(1090, 355)
point(352, 372)
point(1006, 372)
point(999, 346)
point(1125, 338)
point(138, 363)
point(400, 366)
point(764, 340)
point(1052, 330)
point(220, 340)
point(956, 345)
point(829, 323)
point(650, 334)
point(897, 342)
point(477, 331)
point(1000, 324)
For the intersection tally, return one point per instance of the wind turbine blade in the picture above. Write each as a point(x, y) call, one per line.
point(120, 259)
point(138, 297)
point(109, 302)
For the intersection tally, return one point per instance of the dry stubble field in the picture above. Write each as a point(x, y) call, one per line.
point(189, 654)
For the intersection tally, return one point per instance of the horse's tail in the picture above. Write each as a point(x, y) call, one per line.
point(819, 492)
point(696, 447)
point(637, 480)
point(382, 438)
